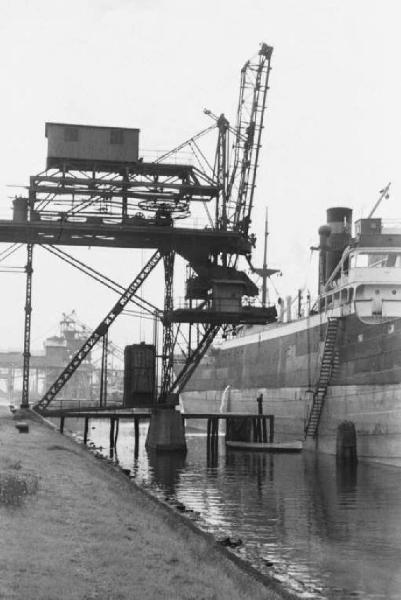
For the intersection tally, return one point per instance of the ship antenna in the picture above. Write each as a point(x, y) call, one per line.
point(384, 193)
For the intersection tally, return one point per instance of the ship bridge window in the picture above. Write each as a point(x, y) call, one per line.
point(337, 299)
point(375, 260)
point(329, 302)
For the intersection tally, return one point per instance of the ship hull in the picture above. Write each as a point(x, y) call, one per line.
point(282, 363)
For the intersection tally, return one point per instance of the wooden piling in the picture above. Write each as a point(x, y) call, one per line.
point(256, 429)
point(271, 428)
point(264, 430)
point(209, 429)
point(111, 437)
point(212, 434)
point(136, 429)
point(117, 429)
point(259, 428)
point(212, 441)
point(215, 433)
point(86, 428)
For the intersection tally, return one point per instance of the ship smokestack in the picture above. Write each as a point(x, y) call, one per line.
point(339, 219)
point(324, 233)
point(334, 237)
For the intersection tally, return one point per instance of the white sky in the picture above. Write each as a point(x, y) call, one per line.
point(333, 122)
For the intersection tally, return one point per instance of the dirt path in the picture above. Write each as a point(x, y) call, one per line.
point(74, 528)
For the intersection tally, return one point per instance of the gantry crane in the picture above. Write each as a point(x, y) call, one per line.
point(81, 202)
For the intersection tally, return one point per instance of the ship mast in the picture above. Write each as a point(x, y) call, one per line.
point(264, 272)
point(264, 268)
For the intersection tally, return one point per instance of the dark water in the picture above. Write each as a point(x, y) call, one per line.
point(326, 532)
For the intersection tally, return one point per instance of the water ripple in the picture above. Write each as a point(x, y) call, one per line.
point(323, 531)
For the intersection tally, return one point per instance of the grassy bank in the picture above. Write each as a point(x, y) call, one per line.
point(74, 528)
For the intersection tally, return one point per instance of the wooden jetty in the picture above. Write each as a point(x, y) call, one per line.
point(257, 429)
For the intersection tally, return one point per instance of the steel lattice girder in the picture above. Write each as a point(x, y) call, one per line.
point(168, 340)
point(194, 359)
point(99, 332)
point(75, 188)
point(184, 241)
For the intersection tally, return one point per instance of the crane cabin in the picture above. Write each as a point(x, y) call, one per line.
point(86, 145)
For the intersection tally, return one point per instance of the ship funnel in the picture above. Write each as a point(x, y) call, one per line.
point(324, 233)
point(334, 238)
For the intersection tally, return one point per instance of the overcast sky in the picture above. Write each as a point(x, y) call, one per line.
point(333, 121)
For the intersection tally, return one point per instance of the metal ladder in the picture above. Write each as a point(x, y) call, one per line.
point(326, 370)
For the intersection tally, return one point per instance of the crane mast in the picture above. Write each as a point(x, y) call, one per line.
point(249, 126)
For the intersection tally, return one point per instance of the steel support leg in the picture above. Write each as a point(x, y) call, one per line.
point(103, 373)
point(27, 328)
point(168, 337)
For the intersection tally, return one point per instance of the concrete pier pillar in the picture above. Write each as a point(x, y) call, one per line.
point(166, 430)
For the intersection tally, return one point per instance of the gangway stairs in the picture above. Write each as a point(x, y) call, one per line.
point(328, 363)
